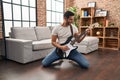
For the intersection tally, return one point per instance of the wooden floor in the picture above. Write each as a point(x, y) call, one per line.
point(104, 65)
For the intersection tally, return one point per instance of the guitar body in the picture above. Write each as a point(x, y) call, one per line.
point(71, 47)
point(60, 53)
point(66, 53)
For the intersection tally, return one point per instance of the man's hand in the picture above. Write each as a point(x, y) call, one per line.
point(88, 30)
point(64, 48)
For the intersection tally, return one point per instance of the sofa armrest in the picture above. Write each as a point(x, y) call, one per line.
point(18, 40)
point(19, 50)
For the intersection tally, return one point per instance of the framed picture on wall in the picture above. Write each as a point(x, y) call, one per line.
point(91, 4)
point(103, 13)
point(97, 12)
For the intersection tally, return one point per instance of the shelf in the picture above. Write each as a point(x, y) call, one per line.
point(99, 16)
point(87, 12)
point(98, 27)
point(99, 36)
point(97, 32)
point(112, 48)
point(111, 43)
point(87, 8)
point(111, 32)
point(84, 26)
point(111, 27)
point(109, 37)
point(85, 17)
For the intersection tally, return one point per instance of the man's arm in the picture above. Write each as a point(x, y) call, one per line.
point(56, 44)
point(82, 37)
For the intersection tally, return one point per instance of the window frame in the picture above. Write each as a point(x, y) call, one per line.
point(30, 23)
point(53, 22)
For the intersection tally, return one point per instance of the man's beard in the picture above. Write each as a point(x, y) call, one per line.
point(68, 23)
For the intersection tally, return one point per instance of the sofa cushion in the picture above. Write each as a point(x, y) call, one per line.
point(88, 40)
point(42, 33)
point(27, 33)
point(42, 44)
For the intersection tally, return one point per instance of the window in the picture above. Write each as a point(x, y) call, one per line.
point(19, 13)
point(54, 12)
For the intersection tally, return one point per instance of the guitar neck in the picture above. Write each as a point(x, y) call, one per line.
point(83, 34)
point(79, 36)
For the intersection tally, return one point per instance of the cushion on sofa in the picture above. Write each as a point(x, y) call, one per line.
point(27, 33)
point(42, 44)
point(88, 40)
point(43, 33)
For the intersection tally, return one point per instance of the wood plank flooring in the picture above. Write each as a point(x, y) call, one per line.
point(104, 65)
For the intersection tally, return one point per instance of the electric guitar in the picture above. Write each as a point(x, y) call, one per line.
point(71, 41)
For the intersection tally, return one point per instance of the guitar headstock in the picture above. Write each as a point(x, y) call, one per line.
point(93, 25)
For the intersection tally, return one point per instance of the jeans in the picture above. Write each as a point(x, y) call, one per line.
point(74, 55)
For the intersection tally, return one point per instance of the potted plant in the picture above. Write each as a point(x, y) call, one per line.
point(76, 16)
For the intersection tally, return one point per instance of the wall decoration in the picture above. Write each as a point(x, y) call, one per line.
point(97, 12)
point(98, 33)
point(103, 13)
point(91, 4)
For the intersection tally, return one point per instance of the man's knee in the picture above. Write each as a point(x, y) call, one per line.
point(44, 63)
point(85, 65)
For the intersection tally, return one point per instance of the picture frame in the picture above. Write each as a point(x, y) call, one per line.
point(103, 13)
point(91, 4)
point(97, 12)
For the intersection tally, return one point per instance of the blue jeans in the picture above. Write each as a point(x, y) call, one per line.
point(74, 55)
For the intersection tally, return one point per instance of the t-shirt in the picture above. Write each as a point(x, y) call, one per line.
point(63, 32)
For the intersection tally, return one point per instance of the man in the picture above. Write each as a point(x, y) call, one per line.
point(59, 35)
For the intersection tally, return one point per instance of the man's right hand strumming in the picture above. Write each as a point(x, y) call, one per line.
point(64, 48)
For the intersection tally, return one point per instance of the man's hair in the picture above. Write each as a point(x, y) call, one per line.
point(67, 14)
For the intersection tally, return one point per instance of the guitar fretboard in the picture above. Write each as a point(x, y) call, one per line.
point(79, 36)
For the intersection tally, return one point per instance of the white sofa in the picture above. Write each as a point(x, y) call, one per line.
point(29, 44)
point(88, 44)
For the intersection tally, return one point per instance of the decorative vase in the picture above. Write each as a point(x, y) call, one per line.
point(98, 33)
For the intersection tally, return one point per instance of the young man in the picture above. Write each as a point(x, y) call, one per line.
point(59, 35)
